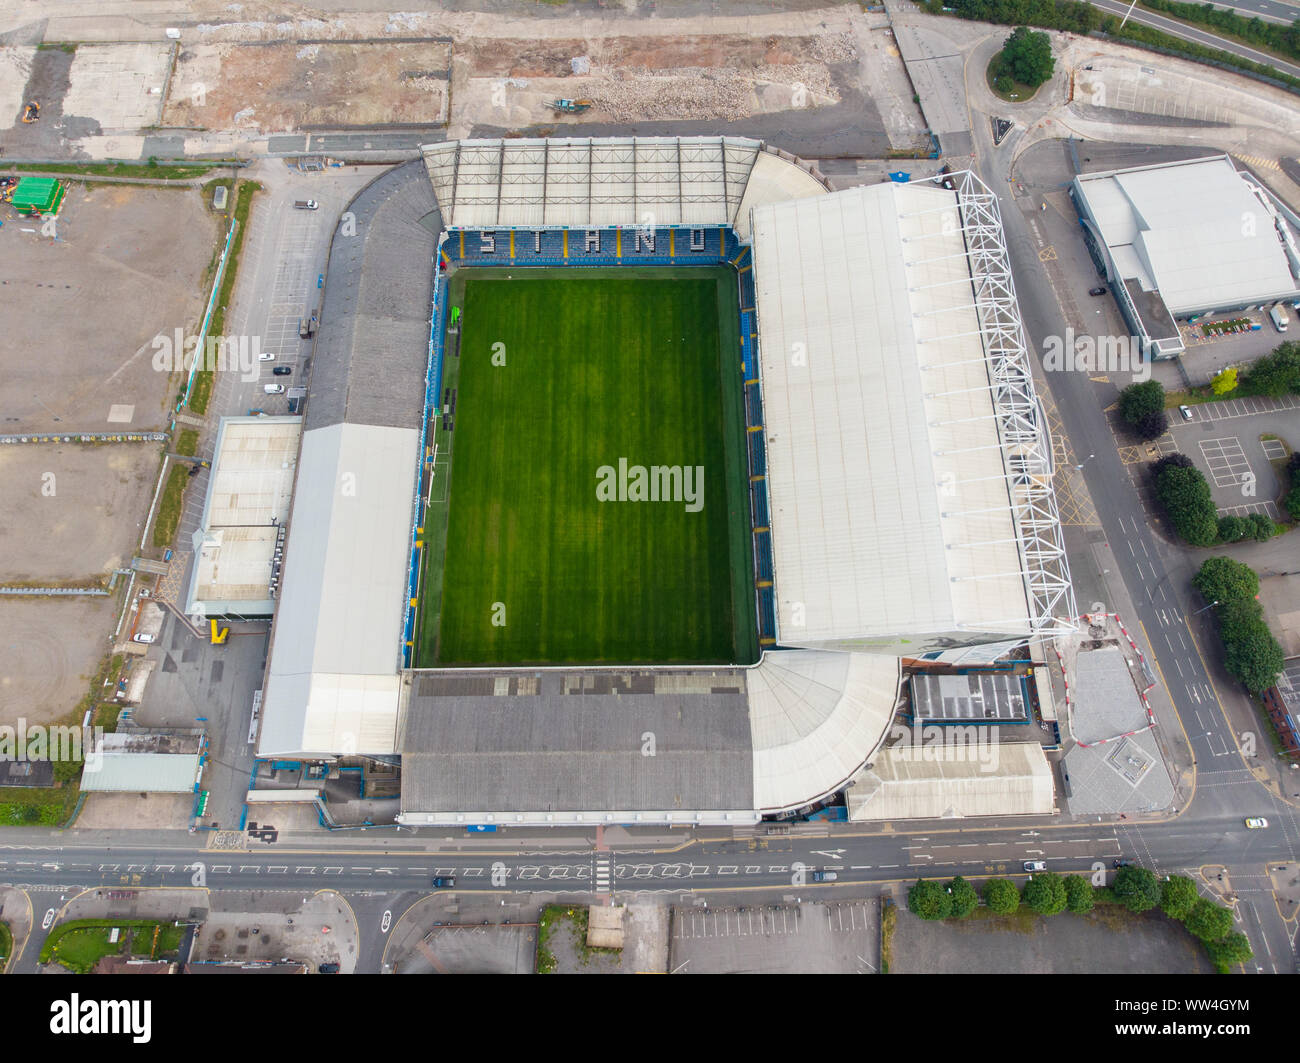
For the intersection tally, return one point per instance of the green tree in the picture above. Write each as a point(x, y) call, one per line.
point(1292, 502)
point(1233, 949)
point(1231, 529)
point(1152, 425)
point(1139, 400)
point(1209, 921)
point(1027, 55)
point(1223, 580)
point(1001, 896)
point(1250, 652)
point(1224, 382)
point(929, 899)
point(1044, 893)
point(1277, 373)
point(1185, 496)
point(1136, 888)
point(1178, 896)
point(964, 898)
point(1078, 894)
point(1261, 528)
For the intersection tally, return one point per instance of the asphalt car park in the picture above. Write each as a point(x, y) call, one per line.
point(1235, 443)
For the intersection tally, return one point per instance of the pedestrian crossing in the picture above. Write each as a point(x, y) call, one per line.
point(604, 873)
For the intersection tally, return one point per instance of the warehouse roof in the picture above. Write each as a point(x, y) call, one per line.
point(250, 489)
point(1198, 231)
point(927, 781)
point(148, 763)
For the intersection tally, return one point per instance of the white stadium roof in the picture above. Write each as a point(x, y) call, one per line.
point(1197, 231)
point(590, 183)
point(337, 649)
point(814, 719)
point(886, 475)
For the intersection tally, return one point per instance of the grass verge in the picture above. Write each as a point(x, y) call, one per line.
point(82, 943)
point(888, 924)
point(6, 944)
point(201, 393)
point(157, 172)
point(168, 517)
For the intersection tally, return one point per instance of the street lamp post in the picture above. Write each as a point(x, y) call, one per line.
point(1088, 458)
point(1210, 606)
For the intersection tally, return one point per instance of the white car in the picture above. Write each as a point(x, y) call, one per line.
point(264, 356)
point(273, 389)
point(1035, 865)
point(144, 636)
point(1256, 823)
point(1186, 412)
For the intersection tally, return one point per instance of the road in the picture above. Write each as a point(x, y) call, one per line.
point(1190, 33)
point(390, 872)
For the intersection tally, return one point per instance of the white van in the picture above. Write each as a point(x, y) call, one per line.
point(1279, 318)
point(273, 389)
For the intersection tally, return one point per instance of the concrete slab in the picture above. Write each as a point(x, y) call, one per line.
point(120, 86)
point(15, 69)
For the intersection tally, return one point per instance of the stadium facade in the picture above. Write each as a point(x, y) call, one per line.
point(900, 470)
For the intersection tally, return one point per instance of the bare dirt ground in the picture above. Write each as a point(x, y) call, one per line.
point(50, 649)
point(815, 69)
point(79, 309)
point(72, 513)
point(724, 77)
point(284, 86)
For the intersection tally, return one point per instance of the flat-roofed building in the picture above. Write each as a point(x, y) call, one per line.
point(1185, 238)
point(239, 544)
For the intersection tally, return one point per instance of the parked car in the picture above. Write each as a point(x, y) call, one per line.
point(825, 876)
point(1099, 290)
point(1186, 412)
point(1035, 865)
point(144, 636)
point(273, 389)
point(305, 204)
point(1256, 823)
point(444, 882)
point(282, 370)
point(328, 968)
point(264, 356)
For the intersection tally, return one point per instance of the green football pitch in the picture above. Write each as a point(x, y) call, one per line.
point(537, 550)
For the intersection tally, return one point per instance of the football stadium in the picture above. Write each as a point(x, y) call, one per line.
point(634, 471)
